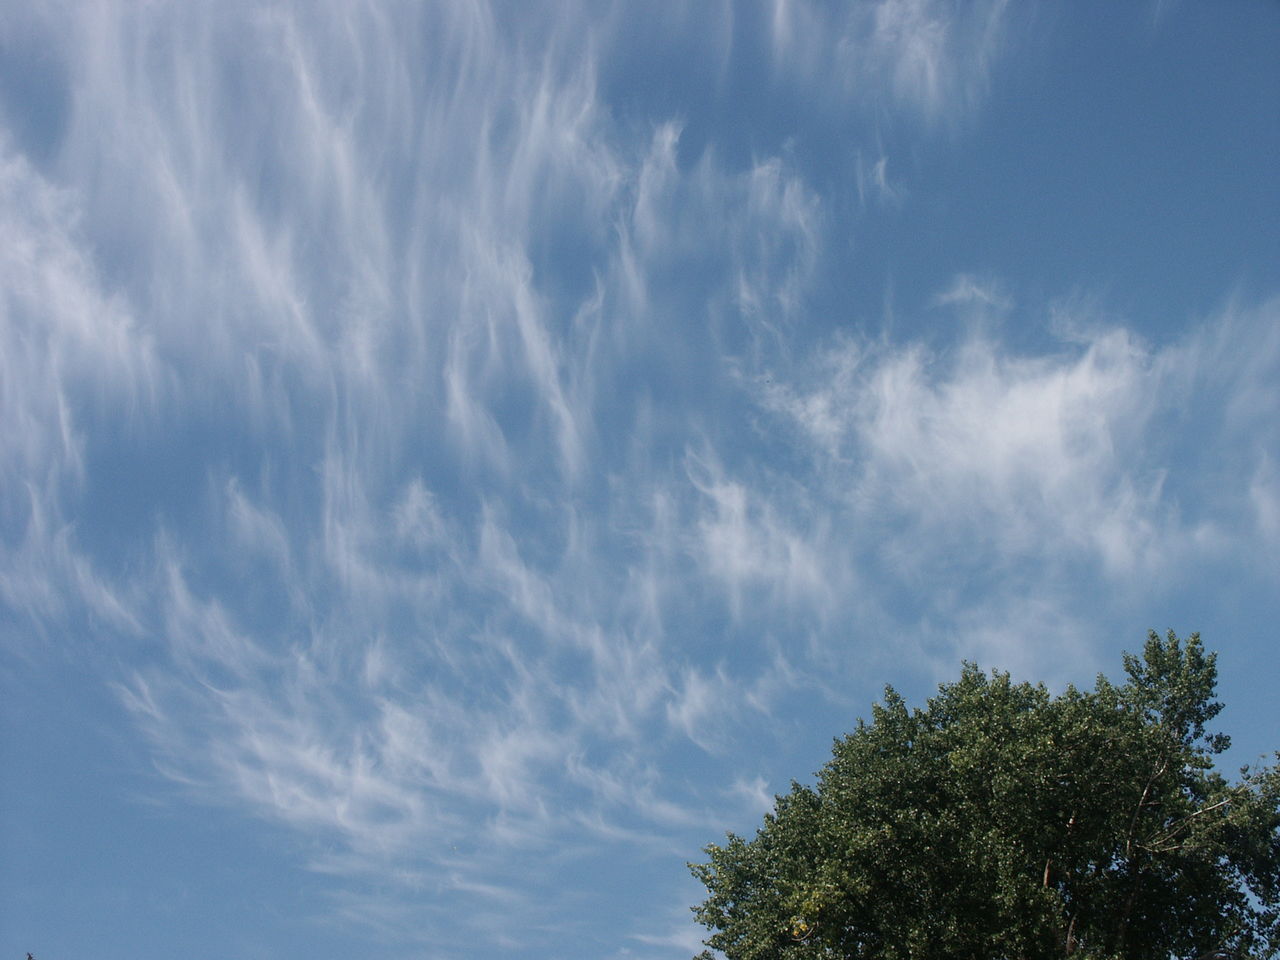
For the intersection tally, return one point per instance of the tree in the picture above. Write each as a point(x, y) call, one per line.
point(1003, 822)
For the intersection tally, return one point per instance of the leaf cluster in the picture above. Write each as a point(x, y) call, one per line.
point(1002, 822)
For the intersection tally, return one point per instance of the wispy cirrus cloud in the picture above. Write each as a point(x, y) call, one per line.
point(378, 621)
point(747, 544)
point(932, 58)
point(67, 344)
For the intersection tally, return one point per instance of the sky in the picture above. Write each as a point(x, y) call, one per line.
point(459, 459)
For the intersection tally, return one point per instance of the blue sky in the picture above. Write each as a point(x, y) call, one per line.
point(459, 459)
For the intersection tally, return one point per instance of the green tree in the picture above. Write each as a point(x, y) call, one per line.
point(1003, 822)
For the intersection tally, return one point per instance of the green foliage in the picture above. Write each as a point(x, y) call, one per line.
point(1002, 822)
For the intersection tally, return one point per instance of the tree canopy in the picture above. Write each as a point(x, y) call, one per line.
point(1000, 821)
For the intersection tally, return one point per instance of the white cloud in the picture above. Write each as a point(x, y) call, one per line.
point(47, 577)
point(936, 55)
point(704, 705)
point(1020, 453)
point(755, 794)
point(416, 515)
point(66, 339)
point(759, 229)
point(70, 352)
point(873, 183)
point(369, 304)
point(1264, 493)
point(930, 57)
point(748, 546)
point(995, 487)
point(973, 291)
